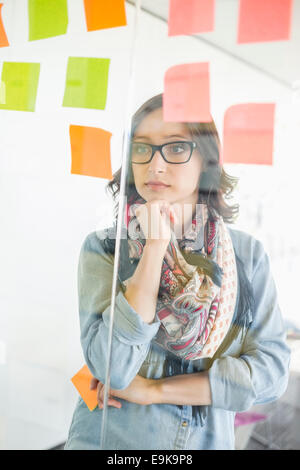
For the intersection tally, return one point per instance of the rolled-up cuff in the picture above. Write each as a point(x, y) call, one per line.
point(230, 384)
point(128, 325)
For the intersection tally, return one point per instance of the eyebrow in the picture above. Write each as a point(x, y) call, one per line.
point(164, 137)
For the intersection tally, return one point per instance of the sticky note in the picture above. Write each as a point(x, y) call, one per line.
point(20, 82)
point(3, 38)
point(86, 83)
point(102, 14)
point(47, 18)
point(190, 16)
point(81, 382)
point(2, 93)
point(186, 93)
point(248, 133)
point(90, 149)
point(264, 20)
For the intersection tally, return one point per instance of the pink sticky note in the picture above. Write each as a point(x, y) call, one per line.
point(248, 417)
point(264, 20)
point(248, 133)
point(186, 93)
point(190, 16)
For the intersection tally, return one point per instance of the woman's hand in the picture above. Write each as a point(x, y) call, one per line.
point(95, 383)
point(154, 218)
point(140, 391)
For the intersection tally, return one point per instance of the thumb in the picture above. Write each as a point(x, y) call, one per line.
point(93, 383)
point(170, 213)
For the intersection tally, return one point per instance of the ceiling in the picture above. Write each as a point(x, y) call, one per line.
point(279, 60)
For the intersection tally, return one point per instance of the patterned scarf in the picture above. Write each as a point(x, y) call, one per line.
point(198, 288)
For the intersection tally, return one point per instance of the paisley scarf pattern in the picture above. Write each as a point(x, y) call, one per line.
point(198, 288)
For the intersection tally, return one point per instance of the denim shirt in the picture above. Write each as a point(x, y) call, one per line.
point(250, 367)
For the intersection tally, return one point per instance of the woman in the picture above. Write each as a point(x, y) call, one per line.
point(198, 334)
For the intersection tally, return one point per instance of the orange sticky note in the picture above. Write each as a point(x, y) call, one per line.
point(190, 16)
point(81, 382)
point(264, 20)
point(248, 134)
point(3, 38)
point(186, 93)
point(90, 148)
point(102, 14)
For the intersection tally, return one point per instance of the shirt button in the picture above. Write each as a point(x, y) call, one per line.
point(184, 423)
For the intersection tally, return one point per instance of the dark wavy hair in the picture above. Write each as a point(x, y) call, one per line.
point(214, 184)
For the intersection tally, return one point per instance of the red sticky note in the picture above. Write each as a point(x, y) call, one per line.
point(248, 133)
point(90, 148)
point(81, 381)
point(186, 95)
point(264, 20)
point(102, 14)
point(3, 38)
point(190, 16)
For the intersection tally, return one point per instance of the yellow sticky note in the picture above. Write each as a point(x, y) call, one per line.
point(19, 85)
point(47, 18)
point(86, 82)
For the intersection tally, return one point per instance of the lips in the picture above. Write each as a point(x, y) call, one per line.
point(156, 186)
point(156, 183)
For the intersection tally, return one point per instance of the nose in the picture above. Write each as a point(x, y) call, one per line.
point(157, 164)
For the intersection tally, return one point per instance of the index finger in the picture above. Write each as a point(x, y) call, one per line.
point(93, 383)
point(110, 401)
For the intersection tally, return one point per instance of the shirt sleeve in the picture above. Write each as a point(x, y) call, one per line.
point(260, 374)
point(131, 336)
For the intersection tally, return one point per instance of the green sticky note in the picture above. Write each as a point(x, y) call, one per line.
point(86, 83)
point(20, 83)
point(47, 18)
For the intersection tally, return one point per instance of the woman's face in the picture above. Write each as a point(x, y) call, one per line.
point(181, 180)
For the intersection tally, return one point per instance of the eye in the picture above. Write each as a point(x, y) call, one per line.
point(177, 148)
point(140, 148)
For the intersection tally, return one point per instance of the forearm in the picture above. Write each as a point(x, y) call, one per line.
point(142, 288)
point(185, 389)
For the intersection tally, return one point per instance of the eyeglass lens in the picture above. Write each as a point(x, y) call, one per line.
point(173, 152)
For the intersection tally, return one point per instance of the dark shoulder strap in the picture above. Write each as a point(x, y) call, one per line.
point(126, 267)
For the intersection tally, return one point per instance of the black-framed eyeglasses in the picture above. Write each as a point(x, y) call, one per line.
point(172, 152)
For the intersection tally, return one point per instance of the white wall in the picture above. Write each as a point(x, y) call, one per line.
point(46, 212)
